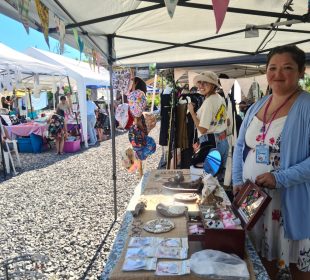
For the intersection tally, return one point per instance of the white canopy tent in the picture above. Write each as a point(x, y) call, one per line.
point(80, 72)
point(14, 61)
point(140, 32)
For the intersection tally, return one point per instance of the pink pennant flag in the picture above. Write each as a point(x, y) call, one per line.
point(219, 8)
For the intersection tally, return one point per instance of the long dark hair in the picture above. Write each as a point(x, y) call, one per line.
point(140, 84)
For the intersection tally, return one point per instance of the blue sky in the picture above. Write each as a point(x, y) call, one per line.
point(14, 35)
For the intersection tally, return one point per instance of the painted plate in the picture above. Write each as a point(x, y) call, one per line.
point(158, 225)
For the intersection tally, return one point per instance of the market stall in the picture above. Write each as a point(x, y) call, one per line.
point(154, 191)
point(80, 72)
point(15, 67)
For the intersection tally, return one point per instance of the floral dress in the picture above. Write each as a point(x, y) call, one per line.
point(142, 144)
point(56, 128)
point(268, 233)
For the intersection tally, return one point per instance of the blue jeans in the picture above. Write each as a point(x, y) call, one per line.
point(91, 121)
point(223, 147)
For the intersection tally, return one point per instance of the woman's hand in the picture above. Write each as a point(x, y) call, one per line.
point(266, 180)
point(190, 107)
point(236, 189)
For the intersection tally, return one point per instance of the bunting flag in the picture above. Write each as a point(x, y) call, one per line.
point(60, 25)
point(88, 53)
point(227, 85)
point(94, 55)
point(23, 10)
point(171, 5)
point(79, 41)
point(44, 17)
point(219, 8)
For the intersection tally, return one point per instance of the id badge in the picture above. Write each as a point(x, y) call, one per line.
point(262, 154)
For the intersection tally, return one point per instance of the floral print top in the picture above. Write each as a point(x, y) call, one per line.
point(254, 137)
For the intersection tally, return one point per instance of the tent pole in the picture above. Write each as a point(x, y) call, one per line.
point(112, 119)
point(30, 101)
point(2, 156)
point(154, 91)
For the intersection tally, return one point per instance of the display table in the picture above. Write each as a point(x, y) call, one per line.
point(26, 129)
point(151, 188)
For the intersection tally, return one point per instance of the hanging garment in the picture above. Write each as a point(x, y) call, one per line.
point(165, 100)
point(121, 114)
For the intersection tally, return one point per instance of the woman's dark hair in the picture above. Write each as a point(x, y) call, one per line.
point(140, 84)
point(63, 97)
point(296, 53)
point(60, 112)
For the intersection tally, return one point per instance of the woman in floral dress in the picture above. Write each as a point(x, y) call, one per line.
point(273, 151)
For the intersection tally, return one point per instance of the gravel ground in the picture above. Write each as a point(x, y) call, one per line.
point(61, 207)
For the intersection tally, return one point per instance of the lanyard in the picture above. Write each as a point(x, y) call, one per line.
point(264, 132)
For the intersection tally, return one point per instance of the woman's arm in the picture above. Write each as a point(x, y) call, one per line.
point(202, 130)
point(294, 175)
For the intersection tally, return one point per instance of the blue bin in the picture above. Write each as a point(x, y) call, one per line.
point(36, 142)
point(24, 145)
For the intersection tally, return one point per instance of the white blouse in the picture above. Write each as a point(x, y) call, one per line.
point(253, 137)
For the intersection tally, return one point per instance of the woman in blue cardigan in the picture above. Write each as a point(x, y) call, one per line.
point(273, 150)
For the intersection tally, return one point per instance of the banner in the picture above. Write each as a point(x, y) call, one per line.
point(60, 25)
point(219, 8)
point(44, 17)
point(171, 5)
point(23, 9)
point(79, 41)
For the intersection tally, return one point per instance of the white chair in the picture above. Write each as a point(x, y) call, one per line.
point(7, 154)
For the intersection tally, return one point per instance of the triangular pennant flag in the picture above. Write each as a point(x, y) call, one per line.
point(245, 85)
point(219, 8)
point(79, 41)
point(60, 25)
point(191, 76)
point(94, 54)
point(227, 85)
point(178, 73)
point(44, 17)
point(23, 9)
point(263, 84)
point(171, 4)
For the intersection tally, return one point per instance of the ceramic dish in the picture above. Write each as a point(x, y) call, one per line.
point(172, 210)
point(186, 197)
point(158, 225)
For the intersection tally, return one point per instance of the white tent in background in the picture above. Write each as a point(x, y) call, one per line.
point(17, 69)
point(15, 61)
point(80, 72)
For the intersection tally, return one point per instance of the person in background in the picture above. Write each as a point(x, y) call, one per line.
point(243, 108)
point(100, 120)
point(273, 151)
point(6, 102)
point(91, 121)
point(210, 119)
point(64, 105)
point(57, 130)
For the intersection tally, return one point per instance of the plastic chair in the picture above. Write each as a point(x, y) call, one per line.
point(7, 154)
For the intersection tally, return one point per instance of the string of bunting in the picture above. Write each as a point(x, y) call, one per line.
point(219, 9)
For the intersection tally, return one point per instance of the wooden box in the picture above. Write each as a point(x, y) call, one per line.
point(250, 203)
point(248, 206)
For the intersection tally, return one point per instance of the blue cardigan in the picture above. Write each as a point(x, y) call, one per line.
point(293, 177)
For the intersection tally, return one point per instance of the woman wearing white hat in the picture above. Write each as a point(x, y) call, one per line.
point(210, 119)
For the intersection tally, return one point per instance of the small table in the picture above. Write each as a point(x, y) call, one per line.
point(26, 129)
